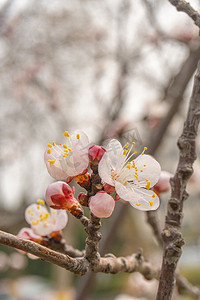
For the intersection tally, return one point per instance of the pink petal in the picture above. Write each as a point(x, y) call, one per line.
point(101, 205)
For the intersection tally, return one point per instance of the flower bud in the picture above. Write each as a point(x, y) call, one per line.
point(95, 154)
point(101, 205)
point(109, 188)
point(59, 195)
point(163, 184)
point(83, 199)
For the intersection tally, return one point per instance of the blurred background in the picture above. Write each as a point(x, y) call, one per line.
point(120, 69)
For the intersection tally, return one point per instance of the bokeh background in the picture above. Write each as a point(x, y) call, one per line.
point(120, 69)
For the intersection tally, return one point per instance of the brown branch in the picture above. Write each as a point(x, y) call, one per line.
point(132, 263)
point(182, 5)
point(172, 237)
point(78, 266)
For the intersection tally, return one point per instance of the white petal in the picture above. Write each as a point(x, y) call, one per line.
point(115, 152)
point(33, 212)
point(43, 228)
point(55, 170)
point(125, 193)
point(83, 139)
point(146, 201)
point(150, 169)
point(80, 159)
point(59, 219)
point(105, 168)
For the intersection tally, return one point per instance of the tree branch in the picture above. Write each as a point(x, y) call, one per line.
point(182, 5)
point(172, 237)
point(78, 266)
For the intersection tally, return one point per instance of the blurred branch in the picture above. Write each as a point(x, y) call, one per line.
point(175, 92)
point(182, 5)
point(172, 237)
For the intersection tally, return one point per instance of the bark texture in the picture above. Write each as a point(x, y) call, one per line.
point(172, 237)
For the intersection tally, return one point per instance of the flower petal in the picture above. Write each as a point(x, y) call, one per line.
point(150, 169)
point(105, 168)
point(59, 219)
point(79, 137)
point(33, 212)
point(55, 170)
point(148, 200)
point(43, 228)
point(115, 153)
point(101, 205)
point(127, 194)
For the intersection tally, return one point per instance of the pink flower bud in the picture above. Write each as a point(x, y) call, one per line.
point(163, 184)
point(109, 188)
point(59, 195)
point(101, 205)
point(83, 199)
point(95, 153)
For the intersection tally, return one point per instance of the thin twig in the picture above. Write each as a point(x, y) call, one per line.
point(172, 237)
point(182, 5)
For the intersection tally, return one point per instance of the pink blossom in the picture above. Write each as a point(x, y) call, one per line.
point(59, 195)
point(101, 205)
point(163, 184)
point(67, 160)
point(42, 221)
point(27, 233)
point(132, 179)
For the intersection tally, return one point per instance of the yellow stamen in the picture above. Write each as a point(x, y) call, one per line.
point(78, 136)
point(135, 175)
point(135, 152)
point(141, 170)
point(151, 203)
point(49, 151)
point(144, 165)
point(49, 145)
point(51, 161)
point(66, 134)
point(53, 211)
point(45, 223)
point(65, 155)
point(128, 165)
point(66, 150)
point(138, 204)
point(65, 146)
point(60, 144)
point(35, 222)
point(38, 207)
point(138, 180)
point(145, 148)
point(127, 144)
point(40, 201)
point(153, 196)
point(29, 211)
point(133, 143)
point(53, 143)
point(125, 182)
point(148, 184)
point(124, 152)
point(142, 154)
point(69, 149)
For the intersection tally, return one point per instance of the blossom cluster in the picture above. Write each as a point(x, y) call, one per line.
point(107, 174)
